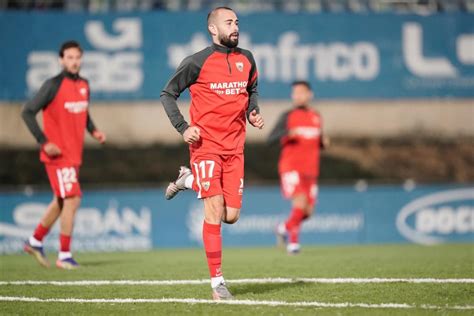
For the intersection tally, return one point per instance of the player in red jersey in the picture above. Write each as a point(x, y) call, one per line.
point(222, 80)
point(64, 101)
point(299, 132)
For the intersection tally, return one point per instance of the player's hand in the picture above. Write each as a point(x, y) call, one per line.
point(325, 142)
point(51, 149)
point(99, 136)
point(256, 119)
point(192, 134)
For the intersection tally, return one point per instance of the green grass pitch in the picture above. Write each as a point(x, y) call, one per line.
point(381, 261)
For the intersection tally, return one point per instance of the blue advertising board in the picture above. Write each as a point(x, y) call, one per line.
point(122, 220)
point(344, 56)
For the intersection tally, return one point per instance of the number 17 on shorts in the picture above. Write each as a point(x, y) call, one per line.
point(219, 175)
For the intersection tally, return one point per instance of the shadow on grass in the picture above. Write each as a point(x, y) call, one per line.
point(97, 263)
point(92, 260)
point(241, 289)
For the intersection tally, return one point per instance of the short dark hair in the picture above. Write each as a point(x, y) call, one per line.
point(67, 45)
point(215, 10)
point(303, 83)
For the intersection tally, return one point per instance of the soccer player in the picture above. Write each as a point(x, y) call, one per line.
point(222, 80)
point(64, 101)
point(299, 132)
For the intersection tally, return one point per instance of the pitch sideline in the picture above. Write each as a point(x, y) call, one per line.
point(242, 281)
point(231, 302)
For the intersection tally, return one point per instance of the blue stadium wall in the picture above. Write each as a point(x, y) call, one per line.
point(347, 56)
point(110, 220)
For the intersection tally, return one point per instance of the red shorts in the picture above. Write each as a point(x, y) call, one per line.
point(294, 183)
point(219, 174)
point(64, 180)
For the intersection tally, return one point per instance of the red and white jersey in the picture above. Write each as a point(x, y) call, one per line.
point(64, 100)
point(64, 121)
point(300, 140)
point(223, 88)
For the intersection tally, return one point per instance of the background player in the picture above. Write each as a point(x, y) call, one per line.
point(299, 132)
point(64, 100)
point(222, 80)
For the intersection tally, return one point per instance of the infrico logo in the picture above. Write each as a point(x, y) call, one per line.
point(428, 220)
point(289, 58)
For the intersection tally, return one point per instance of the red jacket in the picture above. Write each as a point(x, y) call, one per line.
point(64, 100)
point(299, 132)
point(223, 88)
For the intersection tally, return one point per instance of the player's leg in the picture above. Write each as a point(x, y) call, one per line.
point(232, 187)
point(312, 196)
point(207, 173)
point(34, 244)
point(71, 193)
point(223, 208)
point(303, 203)
point(297, 215)
point(231, 215)
point(212, 239)
point(290, 182)
point(70, 206)
point(184, 181)
point(211, 233)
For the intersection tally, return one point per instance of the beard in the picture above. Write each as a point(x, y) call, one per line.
point(228, 42)
point(73, 69)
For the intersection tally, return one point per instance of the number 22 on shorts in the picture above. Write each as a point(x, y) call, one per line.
point(67, 177)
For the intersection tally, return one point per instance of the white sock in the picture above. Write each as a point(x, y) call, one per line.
point(35, 242)
point(188, 182)
point(281, 228)
point(64, 255)
point(216, 281)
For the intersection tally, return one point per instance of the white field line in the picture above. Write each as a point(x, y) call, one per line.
point(240, 281)
point(231, 302)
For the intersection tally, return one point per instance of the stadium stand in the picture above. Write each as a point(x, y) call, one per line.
point(402, 6)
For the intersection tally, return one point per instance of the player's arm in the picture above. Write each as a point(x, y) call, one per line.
point(252, 90)
point(325, 141)
point(253, 111)
point(90, 124)
point(42, 98)
point(185, 75)
point(279, 131)
point(91, 128)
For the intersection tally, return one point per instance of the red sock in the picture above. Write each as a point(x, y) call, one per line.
point(293, 224)
point(40, 232)
point(65, 243)
point(211, 235)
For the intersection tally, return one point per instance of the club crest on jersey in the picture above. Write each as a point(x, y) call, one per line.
point(83, 91)
point(205, 185)
point(240, 66)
